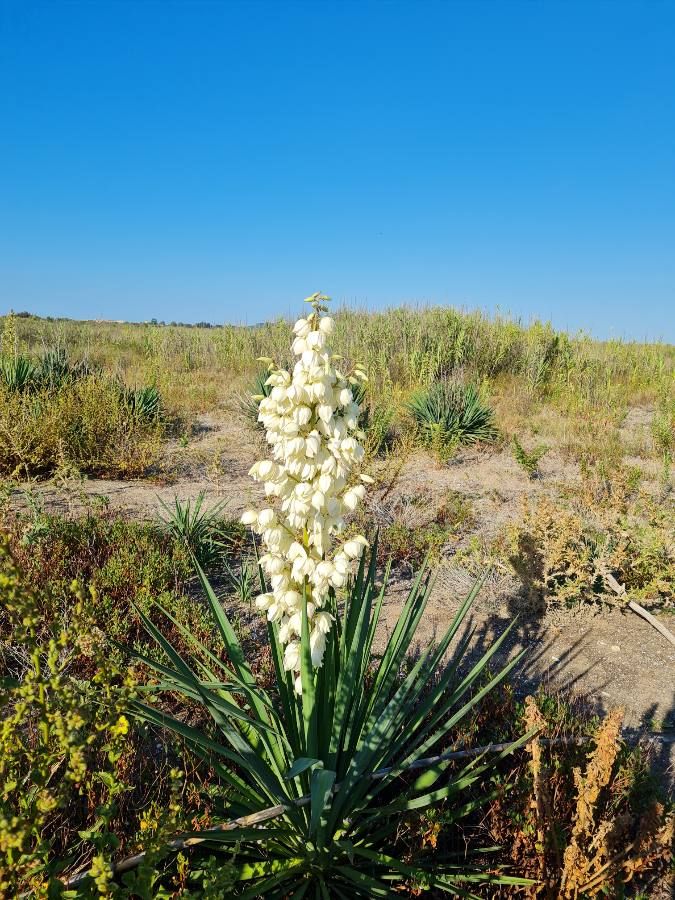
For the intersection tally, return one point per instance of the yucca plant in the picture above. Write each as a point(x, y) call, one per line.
point(201, 530)
point(344, 745)
point(331, 773)
point(54, 367)
point(249, 402)
point(18, 373)
point(450, 413)
point(145, 403)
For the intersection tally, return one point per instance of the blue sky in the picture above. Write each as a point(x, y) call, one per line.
point(223, 160)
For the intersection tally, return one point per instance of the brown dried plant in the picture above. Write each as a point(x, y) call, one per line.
point(600, 852)
point(541, 803)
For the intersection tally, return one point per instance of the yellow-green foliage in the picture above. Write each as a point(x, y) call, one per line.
point(562, 554)
point(61, 737)
point(405, 348)
point(86, 423)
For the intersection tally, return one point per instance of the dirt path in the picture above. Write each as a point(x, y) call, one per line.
point(610, 656)
point(215, 461)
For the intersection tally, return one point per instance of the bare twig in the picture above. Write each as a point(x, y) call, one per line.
point(620, 590)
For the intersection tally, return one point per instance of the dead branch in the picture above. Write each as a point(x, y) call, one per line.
point(620, 590)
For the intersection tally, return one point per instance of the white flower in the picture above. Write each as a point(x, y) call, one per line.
point(350, 499)
point(326, 325)
point(266, 517)
point(317, 646)
point(264, 601)
point(292, 656)
point(311, 423)
point(323, 622)
point(355, 547)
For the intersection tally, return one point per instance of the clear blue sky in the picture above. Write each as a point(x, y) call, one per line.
point(222, 160)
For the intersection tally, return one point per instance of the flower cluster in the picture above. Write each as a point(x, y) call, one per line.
point(311, 422)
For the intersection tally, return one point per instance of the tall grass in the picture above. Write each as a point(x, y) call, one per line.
point(405, 347)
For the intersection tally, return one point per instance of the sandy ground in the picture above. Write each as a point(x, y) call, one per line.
point(609, 655)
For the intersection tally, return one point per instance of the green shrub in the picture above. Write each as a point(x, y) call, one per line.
point(80, 782)
point(125, 562)
point(528, 460)
point(338, 766)
point(62, 739)
point(449, 413)
point(203, 532)
point(561, 556)
point(84, 423)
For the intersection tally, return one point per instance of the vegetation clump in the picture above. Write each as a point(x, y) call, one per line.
point(528, 460)
point(450, 413)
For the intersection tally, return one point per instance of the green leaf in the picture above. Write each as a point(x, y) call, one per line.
point(307, 678)
point(321, 790)
point(301, 765)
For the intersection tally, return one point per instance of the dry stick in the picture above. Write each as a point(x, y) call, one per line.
point(640, 610)
point(275, 811)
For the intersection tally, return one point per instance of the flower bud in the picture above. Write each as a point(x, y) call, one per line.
point(353, 549)
point(266, 518)
point(322, 622)
point(264, 601)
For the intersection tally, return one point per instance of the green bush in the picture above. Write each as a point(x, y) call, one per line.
point(125, 562)
point(80, 782)
point(62, 739)
point(86, 423)
point(449, 413)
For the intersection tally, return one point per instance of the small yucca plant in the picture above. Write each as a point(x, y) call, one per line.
point(18, 373)
point(450, 413)
point(145, 403)
point(201, 530)
point(249, 402)
point(54, 367)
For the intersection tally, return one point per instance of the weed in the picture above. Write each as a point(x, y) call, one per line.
point(528, 461)
point(562, 557)
point(84, 423)
point(663, 433)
